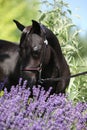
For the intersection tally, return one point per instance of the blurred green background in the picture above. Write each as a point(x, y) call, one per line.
point(22, 10)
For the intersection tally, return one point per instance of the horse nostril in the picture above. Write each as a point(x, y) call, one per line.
point(33, 80)
point(32, 76)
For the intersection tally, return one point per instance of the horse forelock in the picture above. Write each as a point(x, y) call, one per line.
point(27, 29)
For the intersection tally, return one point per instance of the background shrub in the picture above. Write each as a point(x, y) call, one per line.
point(57, 16)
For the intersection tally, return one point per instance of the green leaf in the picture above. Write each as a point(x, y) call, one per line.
point(70, 12)
point(42, 17)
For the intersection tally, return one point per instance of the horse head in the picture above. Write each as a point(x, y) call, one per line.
point(34, 51)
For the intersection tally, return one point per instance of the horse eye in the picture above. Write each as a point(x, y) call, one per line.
point(36, 53)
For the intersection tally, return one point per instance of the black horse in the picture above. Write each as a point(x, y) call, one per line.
point(37, 57)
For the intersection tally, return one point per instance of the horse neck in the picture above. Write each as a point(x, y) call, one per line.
point(51, 68)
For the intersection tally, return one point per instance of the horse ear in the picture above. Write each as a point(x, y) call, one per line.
point(35, 27)
point(19, 25)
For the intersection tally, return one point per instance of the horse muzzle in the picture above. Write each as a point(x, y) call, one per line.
point(34, 73)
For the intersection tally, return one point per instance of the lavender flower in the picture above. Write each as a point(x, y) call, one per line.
point(3, 83)
point(41, 112)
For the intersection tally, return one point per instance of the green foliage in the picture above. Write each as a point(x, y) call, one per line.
point(22, 10)
point(58, 18)
point(1, 93)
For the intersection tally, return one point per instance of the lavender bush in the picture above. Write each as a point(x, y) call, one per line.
point(42, 112)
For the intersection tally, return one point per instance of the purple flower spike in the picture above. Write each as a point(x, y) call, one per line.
point(41, 112)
